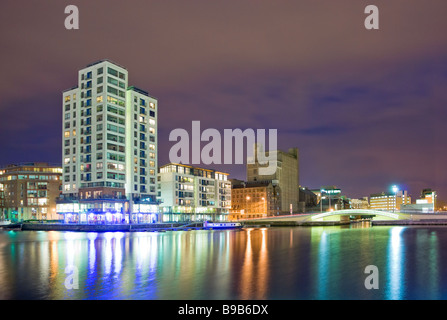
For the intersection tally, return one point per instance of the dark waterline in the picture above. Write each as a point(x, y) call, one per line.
point(270, 263)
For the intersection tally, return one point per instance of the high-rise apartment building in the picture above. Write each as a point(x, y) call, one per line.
point(190, 193)
point(109, 146)
point(28, 191)
point(286, 176)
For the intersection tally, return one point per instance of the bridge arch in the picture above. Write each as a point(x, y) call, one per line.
point(332, 215)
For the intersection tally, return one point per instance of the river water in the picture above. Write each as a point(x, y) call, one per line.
point(269, 263)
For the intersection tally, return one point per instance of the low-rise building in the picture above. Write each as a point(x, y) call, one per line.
point(389, 201)
point(189, 193)
point(254, 199)
point(29, 191)
point(426, 204)
point(361, 203)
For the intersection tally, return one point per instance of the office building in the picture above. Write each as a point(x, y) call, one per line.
point(330, 198)
point(426, 203)
point(389, 201)
point(28, 191)
point(286, 176)
point(109, 147)
point(189, 193)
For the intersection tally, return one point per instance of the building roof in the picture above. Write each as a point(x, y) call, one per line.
point(105, 60)
point(141, 91)
point(238, 184)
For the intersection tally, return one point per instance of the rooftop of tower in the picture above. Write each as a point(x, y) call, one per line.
point(105, 60)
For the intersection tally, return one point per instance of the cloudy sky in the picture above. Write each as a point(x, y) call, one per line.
point(365, 108)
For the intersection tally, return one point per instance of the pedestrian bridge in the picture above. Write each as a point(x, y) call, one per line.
point(339, 215)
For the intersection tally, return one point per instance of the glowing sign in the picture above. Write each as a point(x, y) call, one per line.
point(331, 191)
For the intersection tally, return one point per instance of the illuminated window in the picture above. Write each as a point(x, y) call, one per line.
point(67, 134)
point(67, 98)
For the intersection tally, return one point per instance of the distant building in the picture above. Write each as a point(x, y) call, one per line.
point(254, 199)
point(389, 201)
point(29, 191)
point(286, 175)
point(428, 196)
point(308, 200)
point(330, 198)
point(426, 204)
point(361, 203)
point(190, 193)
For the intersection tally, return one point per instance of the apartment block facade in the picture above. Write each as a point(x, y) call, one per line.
point(109, 146)
point(28, 191)
point(190, 193)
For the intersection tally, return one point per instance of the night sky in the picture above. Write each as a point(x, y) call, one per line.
point(365, 108)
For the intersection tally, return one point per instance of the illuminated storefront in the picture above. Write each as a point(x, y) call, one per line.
point(108, 212)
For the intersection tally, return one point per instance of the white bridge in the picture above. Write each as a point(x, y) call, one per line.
point(367, 213)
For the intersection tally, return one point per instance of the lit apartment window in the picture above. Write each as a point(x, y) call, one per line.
point(67, 134)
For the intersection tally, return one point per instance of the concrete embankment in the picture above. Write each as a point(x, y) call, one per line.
point(425, 222)
point(292, 223)
point(106, 227)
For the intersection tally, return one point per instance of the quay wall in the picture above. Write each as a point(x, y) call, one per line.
point(97, 227)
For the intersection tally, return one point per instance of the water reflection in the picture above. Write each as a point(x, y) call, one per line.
point(268, 263)
point(254, 279)
point(395, 269)
point(323, 265)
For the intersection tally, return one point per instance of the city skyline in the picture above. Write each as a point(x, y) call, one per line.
point(365, 108)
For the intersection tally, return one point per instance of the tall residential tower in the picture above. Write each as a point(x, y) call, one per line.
point(109, 146)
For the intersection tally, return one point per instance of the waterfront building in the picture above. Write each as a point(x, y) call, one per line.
point(389, 201)
point(254, 199)
point(28, 191)
point(109, 148)
point(286, 176)
point(189, 193)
